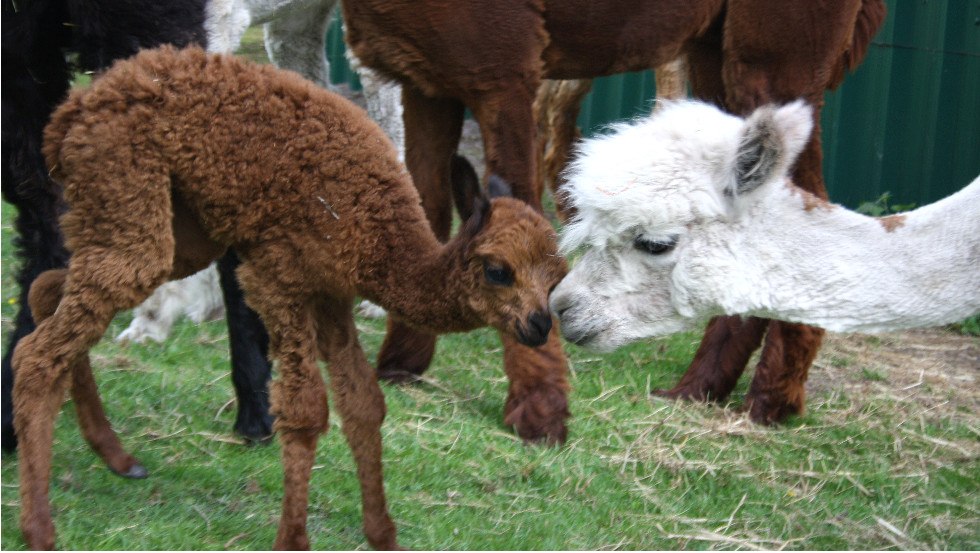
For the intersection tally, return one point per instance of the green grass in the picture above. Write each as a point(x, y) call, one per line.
point(870, 470)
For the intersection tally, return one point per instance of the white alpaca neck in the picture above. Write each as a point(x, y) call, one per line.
point(830, 267)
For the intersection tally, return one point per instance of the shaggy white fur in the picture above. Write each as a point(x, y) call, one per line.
point(197, 296)
point(691, 213)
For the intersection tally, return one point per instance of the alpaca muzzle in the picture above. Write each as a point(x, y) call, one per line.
point(534, 332)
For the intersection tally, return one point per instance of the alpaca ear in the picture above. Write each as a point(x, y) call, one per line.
point(465, 184)
point(498, 187)
point(770, 141)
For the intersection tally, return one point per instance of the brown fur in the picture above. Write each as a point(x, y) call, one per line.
point(172, 157)
point(491, 55)
point(891, 223)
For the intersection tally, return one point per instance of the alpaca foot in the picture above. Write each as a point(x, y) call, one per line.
point(770, 409)
point(539, 415)
point(38, 533)
point(399, 377)
point(254, 423)
point(298, 542)
point(136, 471)
point(687, 394)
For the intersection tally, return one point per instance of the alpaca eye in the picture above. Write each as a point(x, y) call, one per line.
point(498, 275)
point(654, 247)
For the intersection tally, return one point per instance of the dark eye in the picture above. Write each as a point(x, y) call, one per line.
point(497, 274)
point(654, 247)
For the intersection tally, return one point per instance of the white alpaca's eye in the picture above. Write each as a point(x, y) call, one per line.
point(654, 247)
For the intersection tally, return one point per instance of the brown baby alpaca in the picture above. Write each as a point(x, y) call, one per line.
point(173, 156)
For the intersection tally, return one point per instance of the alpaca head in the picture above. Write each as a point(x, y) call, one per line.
point(511, 263)
point(657, 201)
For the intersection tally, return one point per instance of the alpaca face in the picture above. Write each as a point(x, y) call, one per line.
point(656, 203)
point(514, 265)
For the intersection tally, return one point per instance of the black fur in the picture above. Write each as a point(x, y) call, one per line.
point(37, 36)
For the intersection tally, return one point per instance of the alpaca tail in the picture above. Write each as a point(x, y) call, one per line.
point(57, 129)
point(869, 20)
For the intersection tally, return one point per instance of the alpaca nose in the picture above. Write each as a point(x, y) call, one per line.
point(535, 331)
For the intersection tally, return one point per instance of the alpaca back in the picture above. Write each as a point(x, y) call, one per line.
point(254, 153)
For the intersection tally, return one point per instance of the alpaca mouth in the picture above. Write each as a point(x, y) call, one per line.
point(578, 336)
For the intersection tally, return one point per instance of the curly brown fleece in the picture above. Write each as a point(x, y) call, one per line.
point(172, 157)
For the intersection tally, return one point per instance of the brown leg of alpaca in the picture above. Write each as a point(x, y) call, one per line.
point(361, 405)
point(727, 345)
point(275, 287)
point(95, 426)
point(777, 394)
point(537, 400)
point(507, 125)
point(432, 131)
point(44, 297)
point(556, 110)
point(758, 70)
point(299, 401)
point(728, 342)
point(43, 360)
point(671, 80)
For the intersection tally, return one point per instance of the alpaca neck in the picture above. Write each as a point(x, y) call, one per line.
point(423, 285)
point(843, 271)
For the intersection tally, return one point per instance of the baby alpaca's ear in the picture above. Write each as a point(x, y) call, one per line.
point(770, 141)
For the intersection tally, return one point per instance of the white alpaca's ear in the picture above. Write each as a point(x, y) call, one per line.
point(770, 141)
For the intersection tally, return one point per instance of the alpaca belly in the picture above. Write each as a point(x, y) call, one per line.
point(194, 249)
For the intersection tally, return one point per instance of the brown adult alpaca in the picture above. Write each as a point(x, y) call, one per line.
point(490, 56)
point(172, 157)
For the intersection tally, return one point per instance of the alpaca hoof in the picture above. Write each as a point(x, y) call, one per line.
point(769, 412)
point(681, 394)
point(134, 472)
point(256, 428)
point(39, 534)
point(539, 416)
point(399, 377)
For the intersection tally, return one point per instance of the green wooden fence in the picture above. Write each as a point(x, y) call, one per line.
point(907, 122)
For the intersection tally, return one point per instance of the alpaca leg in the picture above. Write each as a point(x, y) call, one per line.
point(556, 110)
point(100, 282)
point(537, 399)
point(537, 404)
point(30, 94)
point(362, 409)
point(765, 74)
point(40, 246)
point(671, 81)
point(728, 342)
point(299, 398)
point(507, 125)
point(296, 40)
point(777, 394)
point(727, 345)
point(432, 131)
point(249, 344)
point(45, 294)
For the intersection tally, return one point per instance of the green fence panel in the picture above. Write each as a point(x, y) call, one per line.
point(907, 122)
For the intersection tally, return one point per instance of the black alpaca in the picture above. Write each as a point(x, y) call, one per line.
point(37, 35)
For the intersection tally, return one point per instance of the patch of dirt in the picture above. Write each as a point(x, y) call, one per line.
point(935, 368)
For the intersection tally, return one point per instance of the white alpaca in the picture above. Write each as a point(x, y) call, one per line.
point(295, 39)
point(691, 213)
